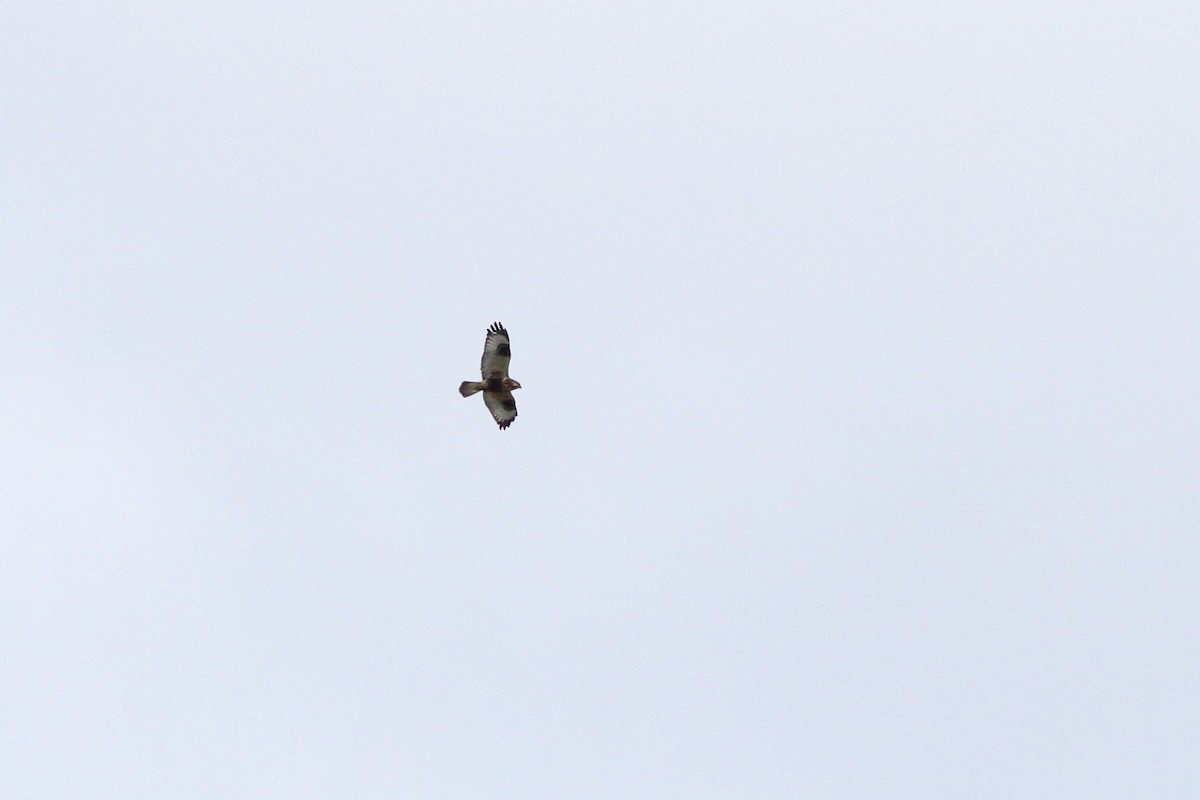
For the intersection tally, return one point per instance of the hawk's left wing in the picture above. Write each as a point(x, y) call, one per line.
point(503, 407)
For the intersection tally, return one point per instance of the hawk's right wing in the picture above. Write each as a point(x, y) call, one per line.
point(496, 353)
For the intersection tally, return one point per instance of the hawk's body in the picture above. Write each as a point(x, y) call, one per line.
point(496, 386)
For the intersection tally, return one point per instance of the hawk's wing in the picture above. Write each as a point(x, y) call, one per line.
point(496, 354)
point(503, 407)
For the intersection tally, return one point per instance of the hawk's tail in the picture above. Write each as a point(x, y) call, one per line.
point(469, 388)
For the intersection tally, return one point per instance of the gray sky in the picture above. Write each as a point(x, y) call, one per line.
point(857, 455)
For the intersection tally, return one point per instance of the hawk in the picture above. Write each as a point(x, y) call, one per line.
point(496, 386)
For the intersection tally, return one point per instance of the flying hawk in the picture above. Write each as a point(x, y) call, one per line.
point(496, 386)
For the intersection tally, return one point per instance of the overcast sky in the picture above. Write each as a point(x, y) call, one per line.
point(857, 455)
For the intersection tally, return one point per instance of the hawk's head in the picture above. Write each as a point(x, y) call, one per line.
point(510, 384)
